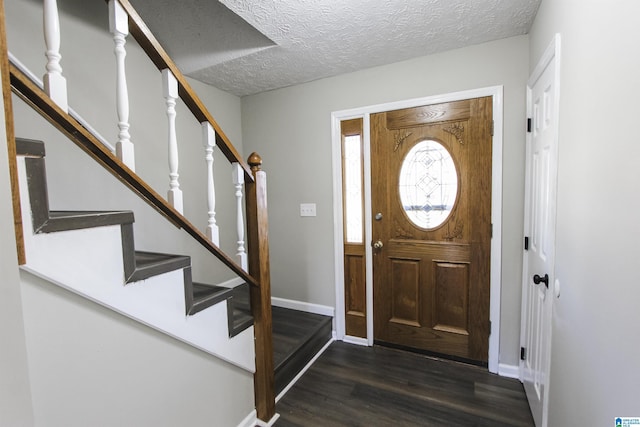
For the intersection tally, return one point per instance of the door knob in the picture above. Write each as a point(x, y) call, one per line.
point(377, 244)
point(537, 280)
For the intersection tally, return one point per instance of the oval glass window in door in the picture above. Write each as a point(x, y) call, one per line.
point(428, 184)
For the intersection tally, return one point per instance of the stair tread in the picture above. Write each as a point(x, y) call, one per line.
point(148, 264)
point(60, 214)
point(292, 329)
point(203, 290)
point(297, 337)
point(75, 220)
point(205, 296)
point(144, 259)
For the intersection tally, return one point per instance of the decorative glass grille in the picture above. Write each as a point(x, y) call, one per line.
point(428, 184)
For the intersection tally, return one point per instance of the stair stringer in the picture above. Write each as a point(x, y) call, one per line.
point(89, 263)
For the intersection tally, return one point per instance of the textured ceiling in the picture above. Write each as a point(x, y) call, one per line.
point(250, 46)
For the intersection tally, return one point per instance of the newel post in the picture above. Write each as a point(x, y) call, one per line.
point(258, 240)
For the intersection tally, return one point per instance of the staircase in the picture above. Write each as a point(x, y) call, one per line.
point(93, 254)
point(297, 336)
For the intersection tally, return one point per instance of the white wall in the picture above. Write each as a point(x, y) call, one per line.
point(291, 129)
point(595, 350)
point(15, 390)
point(90, 366)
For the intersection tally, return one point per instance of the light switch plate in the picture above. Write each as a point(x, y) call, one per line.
point(307, 209)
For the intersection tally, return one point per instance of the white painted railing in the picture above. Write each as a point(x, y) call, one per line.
point(209, 142)
point(238, 182)
point(119, 27)
point(55, 85)
point(170, 89)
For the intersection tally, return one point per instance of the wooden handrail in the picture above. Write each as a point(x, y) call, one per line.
point(33, 95)
point(11, 140)
point(161, 59)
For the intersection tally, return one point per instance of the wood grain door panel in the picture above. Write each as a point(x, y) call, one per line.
point(451, 299)
point(405, 291)
point(431, 285)
point(355, 292)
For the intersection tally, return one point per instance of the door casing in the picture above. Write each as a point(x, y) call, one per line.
point(496, 92)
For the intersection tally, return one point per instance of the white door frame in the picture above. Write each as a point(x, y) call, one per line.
point(496, 92)
point(551, 53)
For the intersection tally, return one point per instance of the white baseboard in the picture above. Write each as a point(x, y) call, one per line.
point(509, 371)
point(303, 306)
point(252, 420)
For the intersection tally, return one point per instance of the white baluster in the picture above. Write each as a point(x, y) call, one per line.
point(119, 27)
point(209, 141)
point(238, 182)
point(55, 85)
point(170, 92)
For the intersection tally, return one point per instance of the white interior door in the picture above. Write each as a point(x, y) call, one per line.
point(538, 266)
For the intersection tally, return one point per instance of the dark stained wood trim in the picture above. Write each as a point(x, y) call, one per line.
point(161, 59)
point(480, 294)
point(409, 117)
point(258, 241)
point(11, 141)
point(40, 102)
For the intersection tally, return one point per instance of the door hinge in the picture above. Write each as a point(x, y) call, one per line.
point(491, 231)
point(492, 124)
point(523, 353)
point(528, 125)
point(489, 327)
point(526, 243)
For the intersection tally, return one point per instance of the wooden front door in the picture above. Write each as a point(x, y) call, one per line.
point(431, 207)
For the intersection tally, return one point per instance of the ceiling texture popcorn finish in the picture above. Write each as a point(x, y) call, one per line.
point(250, 46)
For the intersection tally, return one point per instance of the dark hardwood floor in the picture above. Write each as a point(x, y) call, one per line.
point(377, 386)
